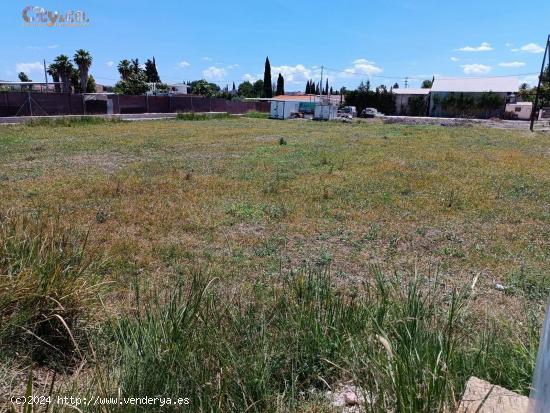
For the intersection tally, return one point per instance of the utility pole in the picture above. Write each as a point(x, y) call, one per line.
point(46, 75)
point(406, 82)
point(321, 84)
point(533, 112)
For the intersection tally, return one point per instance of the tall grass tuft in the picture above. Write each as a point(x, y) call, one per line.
point(289, 340)
point(47, 288)
point(73, 121)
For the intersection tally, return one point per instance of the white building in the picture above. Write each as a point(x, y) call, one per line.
point(288, 106)
point(463, 97)
point(179, 89)
point(411, 102)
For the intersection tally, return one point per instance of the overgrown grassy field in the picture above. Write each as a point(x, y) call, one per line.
point(256, 264)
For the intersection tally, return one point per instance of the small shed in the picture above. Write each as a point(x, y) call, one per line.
point(288, 106)
point(411, 102)
point(519, 110)
point(474, 97)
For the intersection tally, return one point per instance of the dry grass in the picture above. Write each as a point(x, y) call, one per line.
point(161, 195)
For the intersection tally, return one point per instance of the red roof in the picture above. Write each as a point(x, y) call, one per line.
point(297, 98)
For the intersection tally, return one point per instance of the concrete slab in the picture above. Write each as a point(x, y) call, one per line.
point(481, 396)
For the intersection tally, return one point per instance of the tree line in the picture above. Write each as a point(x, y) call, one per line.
point(69, 75)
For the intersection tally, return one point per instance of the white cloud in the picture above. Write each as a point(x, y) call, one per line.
point(110, 63)
point(455, 59)
point(476, 69)
point(529, 48)
point(512, 64)
point(214, 73)
point(362, 67)
point(250, 77)
point(292, 74)
point(53, 46)
point(183, 64)
point(207, 59)
point(29, 67)
point(483, 47)
point(233, 66)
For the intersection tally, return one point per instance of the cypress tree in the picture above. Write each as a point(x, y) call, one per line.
point(151, 71)
point(308, 88)
point(317, 89)
point(326, 88)
point(331, 91)
point(268, 92)
point(280, 85)
point(233, 86)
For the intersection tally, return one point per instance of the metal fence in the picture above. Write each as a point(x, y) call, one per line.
point(45, 104)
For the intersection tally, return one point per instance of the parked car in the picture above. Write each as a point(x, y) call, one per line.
point(371, 113)
point(347, 111)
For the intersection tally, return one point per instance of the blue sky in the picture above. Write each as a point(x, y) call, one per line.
point(223, 41)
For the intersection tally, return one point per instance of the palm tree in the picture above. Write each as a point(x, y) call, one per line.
point(124, 69)
point(65, 69)
point(83, 59)
point(53, 71)
point(135, 65)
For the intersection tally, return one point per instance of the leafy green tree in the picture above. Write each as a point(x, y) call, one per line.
point(134, 84)
point(91, 85)
point(151, 71)
point(204, 88)
point(124, 68)
point(65, 71)
point(395, 85)
point(259, 88)
point(417, 106)
point(83, 60)
point(23, 77)
point(280, 85)
point(268, 92)
point(426, 84)
point(246, 89)
point(363, 97)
